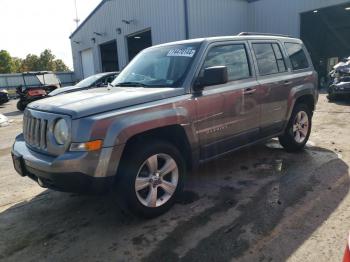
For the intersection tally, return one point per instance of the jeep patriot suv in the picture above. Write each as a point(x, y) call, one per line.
point(173, 107)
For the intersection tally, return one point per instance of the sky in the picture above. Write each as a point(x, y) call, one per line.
point(32, 26)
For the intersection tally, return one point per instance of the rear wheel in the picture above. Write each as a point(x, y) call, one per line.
point(21, 106)
point(298, 130)
point(152, 175)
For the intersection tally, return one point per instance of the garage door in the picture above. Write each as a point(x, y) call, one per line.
point(87, 60)
point(326, 34)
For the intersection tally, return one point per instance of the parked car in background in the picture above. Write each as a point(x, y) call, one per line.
point(99, 80)
point(36, 85)
point(339, 80)
point(4, 96)
point(173, 107)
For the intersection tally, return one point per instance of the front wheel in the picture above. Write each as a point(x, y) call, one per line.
point(298, 129)
point(152, 175)
point(21, 106)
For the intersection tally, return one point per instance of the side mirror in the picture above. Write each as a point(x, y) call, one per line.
point(216, 75)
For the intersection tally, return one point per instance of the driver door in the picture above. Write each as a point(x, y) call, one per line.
point(228, 114)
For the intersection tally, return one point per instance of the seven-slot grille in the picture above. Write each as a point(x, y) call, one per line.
point(35, 131)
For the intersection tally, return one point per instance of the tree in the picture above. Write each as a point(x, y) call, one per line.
point(31, 63)
point(6, 63)
point(17, 65)
point(60, 66)
point(46, 61)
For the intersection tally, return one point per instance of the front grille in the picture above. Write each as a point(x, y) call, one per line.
point(35, 131)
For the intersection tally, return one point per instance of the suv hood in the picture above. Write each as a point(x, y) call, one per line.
point(93, 101)
point(66, 89)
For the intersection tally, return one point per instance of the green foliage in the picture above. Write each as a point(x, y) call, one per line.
point(60, 66)
point(30, 63)
point(6, 63)
point(17, 64)
point(46, 61)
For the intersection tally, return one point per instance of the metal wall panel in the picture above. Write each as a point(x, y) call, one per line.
point(164, 17)
point(217, 18)
point(283, 16)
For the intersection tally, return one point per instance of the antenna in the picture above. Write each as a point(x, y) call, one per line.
point(76, 20)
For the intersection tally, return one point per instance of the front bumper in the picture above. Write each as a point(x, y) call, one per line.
point(340, 88)
point(71, 172)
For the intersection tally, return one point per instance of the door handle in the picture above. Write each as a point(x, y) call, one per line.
point(286, 83)
point(249, 91)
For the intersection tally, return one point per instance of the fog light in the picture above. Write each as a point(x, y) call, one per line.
point(87, 146)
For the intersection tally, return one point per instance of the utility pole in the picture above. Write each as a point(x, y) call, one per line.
point(76, 20)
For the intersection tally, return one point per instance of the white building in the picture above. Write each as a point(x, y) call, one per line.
point(118, 29)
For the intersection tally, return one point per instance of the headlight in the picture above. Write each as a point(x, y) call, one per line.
point(60, 132)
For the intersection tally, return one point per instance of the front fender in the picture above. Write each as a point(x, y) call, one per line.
point(122, 129)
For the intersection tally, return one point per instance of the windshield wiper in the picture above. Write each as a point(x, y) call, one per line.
point(131, 84)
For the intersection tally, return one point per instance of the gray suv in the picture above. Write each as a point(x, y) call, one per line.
point(173, 107)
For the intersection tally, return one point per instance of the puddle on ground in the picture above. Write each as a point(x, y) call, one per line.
point(275, 165)
point(274, 144)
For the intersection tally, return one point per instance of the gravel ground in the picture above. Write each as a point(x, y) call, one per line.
point(242, 207)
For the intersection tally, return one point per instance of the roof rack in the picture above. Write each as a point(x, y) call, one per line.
point(265, 34)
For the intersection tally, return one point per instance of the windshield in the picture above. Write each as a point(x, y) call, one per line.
point(32, 80)
point(88, 81)
point(40, 79)
point(159, 67)
point(50, 79)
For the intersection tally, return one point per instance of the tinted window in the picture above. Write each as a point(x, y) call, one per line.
point(279, 58)
point(297, 56)
point(270, 59)
point(232, 56)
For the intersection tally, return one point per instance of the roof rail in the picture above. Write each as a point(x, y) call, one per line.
point(266, 34)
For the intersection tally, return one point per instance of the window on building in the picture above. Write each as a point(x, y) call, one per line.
point(297, 56)
point(270, 59)
point(234, 57)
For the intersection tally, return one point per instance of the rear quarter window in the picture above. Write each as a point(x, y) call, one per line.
point(297, 56)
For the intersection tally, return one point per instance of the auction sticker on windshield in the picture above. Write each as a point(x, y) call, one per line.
point(186, 52)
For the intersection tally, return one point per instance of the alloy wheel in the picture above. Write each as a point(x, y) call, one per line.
point(301, 127)
point(157, 180)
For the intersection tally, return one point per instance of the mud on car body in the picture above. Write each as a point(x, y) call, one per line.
point(173, 107)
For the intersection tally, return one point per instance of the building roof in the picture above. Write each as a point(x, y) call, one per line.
point(99, 6)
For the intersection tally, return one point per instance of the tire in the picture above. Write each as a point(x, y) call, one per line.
point(137, 163)
point(331, 97)
point(290, 140)
point(21, 106)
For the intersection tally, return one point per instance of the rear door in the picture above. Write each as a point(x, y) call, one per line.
point(275, 82)
point(228, 115)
